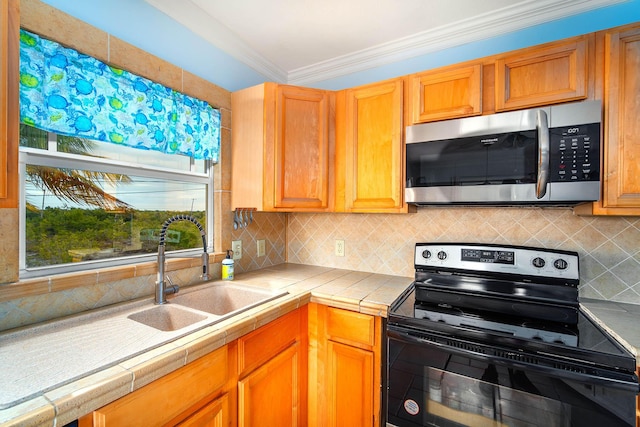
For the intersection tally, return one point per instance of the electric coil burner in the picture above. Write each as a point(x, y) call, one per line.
point(494, 335)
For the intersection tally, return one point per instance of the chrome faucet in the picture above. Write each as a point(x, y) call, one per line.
point(161, 288)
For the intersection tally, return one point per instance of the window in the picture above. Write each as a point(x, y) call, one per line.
point(87, 203)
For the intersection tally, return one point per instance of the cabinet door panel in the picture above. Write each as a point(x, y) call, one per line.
point(215, 414)
point(269, 395)
point(374, 148)
point(303, 151)
point(551, 74)
point(350, 386)
point(622, 83)
point(446, 94)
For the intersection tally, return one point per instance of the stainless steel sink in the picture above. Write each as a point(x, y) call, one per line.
point(224, 299)
point(167, 317)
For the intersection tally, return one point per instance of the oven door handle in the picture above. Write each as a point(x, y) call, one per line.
point(626, 382)
point(542, 126)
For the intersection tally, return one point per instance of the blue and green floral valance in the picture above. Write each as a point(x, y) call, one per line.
point(66, 92)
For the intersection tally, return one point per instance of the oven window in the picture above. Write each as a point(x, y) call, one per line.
point(509, 158)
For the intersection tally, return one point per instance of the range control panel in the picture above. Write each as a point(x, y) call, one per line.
point(518, 260)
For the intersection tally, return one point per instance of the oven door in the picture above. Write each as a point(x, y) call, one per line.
point(436, 381)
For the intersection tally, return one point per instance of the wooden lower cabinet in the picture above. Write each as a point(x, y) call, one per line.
point(272, 380)
point(196, 394)
point(316, 366)
point(344, 367)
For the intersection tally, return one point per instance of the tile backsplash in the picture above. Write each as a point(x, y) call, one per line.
point(270, 227)
point(609, 247)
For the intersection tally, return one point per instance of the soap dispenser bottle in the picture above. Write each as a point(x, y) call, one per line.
point(227, 266)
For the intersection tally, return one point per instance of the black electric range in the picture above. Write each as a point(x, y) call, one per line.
point(509, 308)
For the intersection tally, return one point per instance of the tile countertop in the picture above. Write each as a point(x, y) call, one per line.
point(56, 372)
point(620, 319)
point(70, 367)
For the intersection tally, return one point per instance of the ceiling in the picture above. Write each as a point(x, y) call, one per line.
point(305, 41)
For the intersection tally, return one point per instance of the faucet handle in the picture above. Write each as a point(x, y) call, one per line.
point(173, 289)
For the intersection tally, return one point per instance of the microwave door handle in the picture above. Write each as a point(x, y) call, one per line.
point(543, 154)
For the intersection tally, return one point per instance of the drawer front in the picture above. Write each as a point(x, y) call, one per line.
point(264, 343)
point(350, 327)
point(165, 399)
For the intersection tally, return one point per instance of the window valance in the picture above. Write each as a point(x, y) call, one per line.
point(67, 92)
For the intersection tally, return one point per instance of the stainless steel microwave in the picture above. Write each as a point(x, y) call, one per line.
point(547, 155)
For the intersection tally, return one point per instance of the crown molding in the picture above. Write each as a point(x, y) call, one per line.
point(509, 19)
point(518, 16)
point(214, 32)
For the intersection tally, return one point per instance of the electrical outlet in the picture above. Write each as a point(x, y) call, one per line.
point(261, 247)
point(236, 247)
point(339, 247)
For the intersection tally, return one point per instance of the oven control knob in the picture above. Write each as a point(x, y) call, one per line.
point(426, 254)
point(442, 255)
point(560, 264)
point(538, 262)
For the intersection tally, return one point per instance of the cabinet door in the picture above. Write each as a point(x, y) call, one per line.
point(345, 369)
point(303, 149)
point(269, 396)
point(622, 123)
point(543, 75)
point(214, 414)
point(350, 386)
point(9, 111)
point(446, 94)
point(373, 148)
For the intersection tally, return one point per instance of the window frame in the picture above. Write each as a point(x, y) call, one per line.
point(54, 158)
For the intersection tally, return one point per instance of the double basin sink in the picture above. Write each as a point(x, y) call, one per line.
point(217, 301)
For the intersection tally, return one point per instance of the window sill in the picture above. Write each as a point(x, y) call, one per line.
point(61, 282)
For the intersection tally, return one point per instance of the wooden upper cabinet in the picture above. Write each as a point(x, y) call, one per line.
point(548, 74)
point(283, 146)
point(303, 159)
point(622, 119)
point(618, 69)
point(446, 93)
point(370, 149)
point(9, 115)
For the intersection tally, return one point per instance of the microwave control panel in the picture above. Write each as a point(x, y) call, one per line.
point(574, 153)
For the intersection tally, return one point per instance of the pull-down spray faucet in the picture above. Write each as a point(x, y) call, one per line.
point(161, 289)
